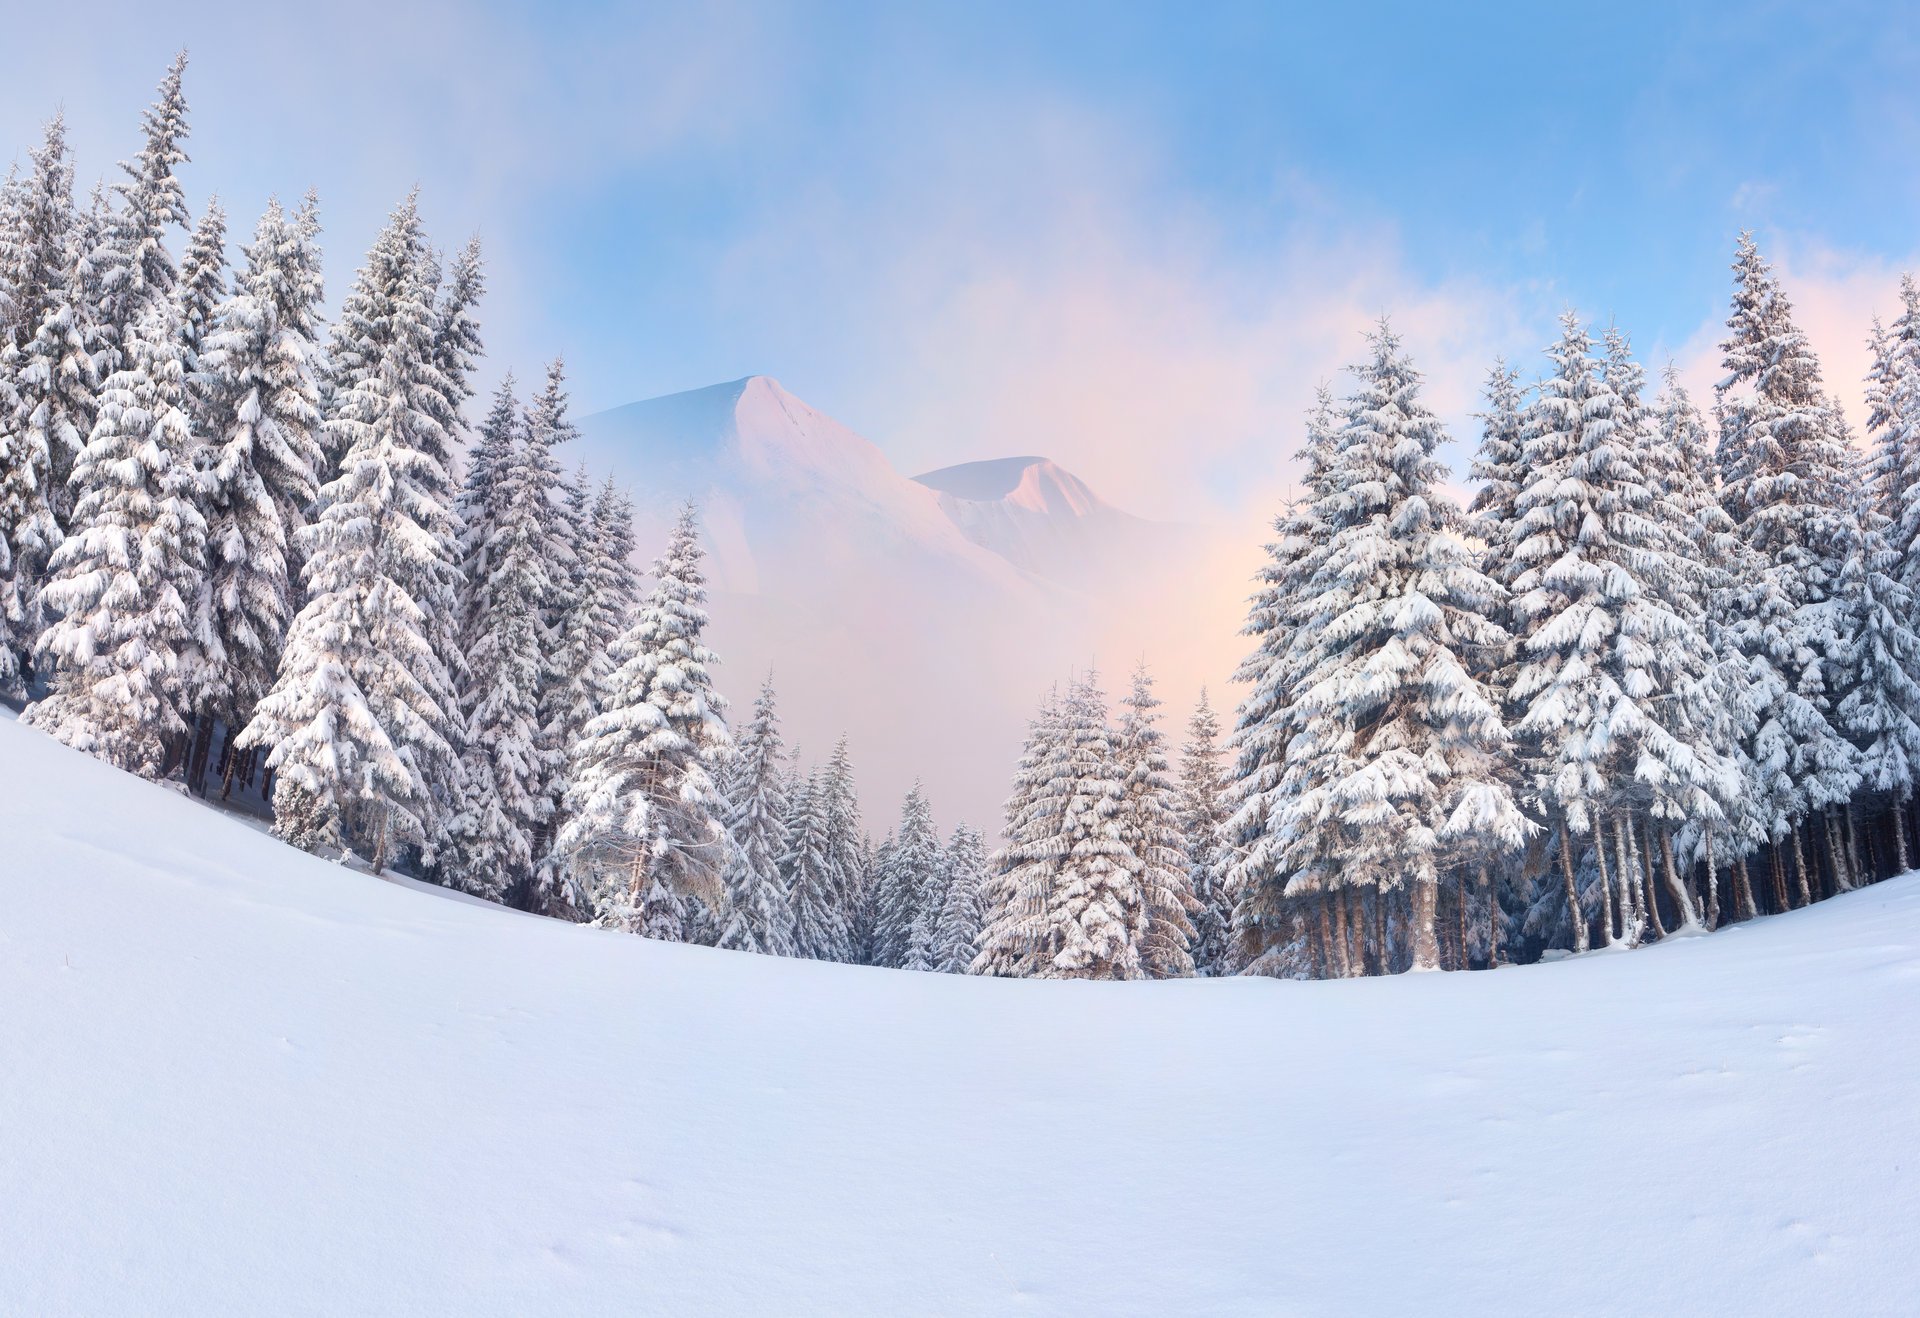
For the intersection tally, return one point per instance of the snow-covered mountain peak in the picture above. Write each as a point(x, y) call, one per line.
point(1036, 484)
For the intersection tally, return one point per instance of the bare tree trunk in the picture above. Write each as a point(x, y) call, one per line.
point(1779, 893)
point(1426, 950)
point(1573, 893)
point(1900, 838)
point(1357, 931)
point(380, 841)
point(1323, 941)
point(1837, 855)
point(1340, 934)
point(1743, 891)
point(1460, 909)
point(1493, 919)
point(1380, 934)
point(1642, 848)
point(1632, 922)
point(1689, 913)
point(1800, 870)
point(1713, 884)
point(1606, 879)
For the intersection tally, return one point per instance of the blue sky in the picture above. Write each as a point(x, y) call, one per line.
point(1128, 236)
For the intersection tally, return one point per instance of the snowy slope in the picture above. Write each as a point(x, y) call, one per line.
point(239, 1080)
point(1041, 517)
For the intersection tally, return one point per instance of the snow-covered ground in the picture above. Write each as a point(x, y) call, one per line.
point(237, 1080)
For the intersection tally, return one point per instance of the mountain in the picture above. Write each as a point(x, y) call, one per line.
point(242, 1080)
point(1044, 519)
point(909, 614)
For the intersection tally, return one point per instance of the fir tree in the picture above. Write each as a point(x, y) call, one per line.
point(1151, 831)
point(125, 583)
point(1012, 897)
point(847, 853)
point(360, 717)
point(202, 288)
point(1400, 755)
point(1202, 818)
point(46, 398)
point(644, 834)
point(901, 885)
point(759, 915)
point(135, 269)
point(261, 395)
point(963, 911)
point(820, 925)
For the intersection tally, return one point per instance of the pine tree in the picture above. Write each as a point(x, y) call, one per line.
point(1202, 818)
point(1397, 768)
point(507, 762)
point(202, 288)
point(963, 912)
point(820, 926)
point(1785, 481)
point(901, 884)
point(1500, 466)
point(1014, 893)
point(1877, 657)
point(261, 395)
point(360, 717)
point(125, 582)
point(847, 854)
point(47, 382)
point(1151, 831)
point(644, 835)
point(135, 269)
point(1256, 886)
point(759, 915)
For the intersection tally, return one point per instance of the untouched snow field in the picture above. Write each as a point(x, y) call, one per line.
point(237, 1080)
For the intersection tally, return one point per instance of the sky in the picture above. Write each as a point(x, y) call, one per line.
point(1131, 237)
point(1105, 232)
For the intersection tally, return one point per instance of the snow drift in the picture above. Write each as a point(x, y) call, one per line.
point(240, 1080)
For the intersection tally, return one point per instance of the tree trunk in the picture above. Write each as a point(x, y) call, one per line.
point(1357, 931)
point(1800, 870)
point(1713, 885)
point(1380, 966)
point(1460, 909)
point(1493, 919)
point(1340, 934)
point(1682, 899)
point(1837, 855)
point(1899, 838)
point(1323, 940)
point(1426, 950)
point(380, 841)
point(1606, 879)
point(1573, 893)
point(1779, 880)
point(1633, 923)
point(1743, 891)
point(1642, 848)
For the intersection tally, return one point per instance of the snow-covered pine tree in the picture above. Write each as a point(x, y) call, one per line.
point(1893, 425)
point(1785, 477)
point(1151, 830)
point(759, 915)
point(1606, 645)
point(1094, 916)
point(46, 397)
point(848, 853)
point(135, 269)
point(577, 638)
point(507, 762)
point(125, 583)
point(1202, 817)
point(820, 925)
point(963, 911)
point(360, 717)
point(1400, 760)
point(1263, 916)
point(260, 393)
point(644, 832)
point(910, 866)
point(1013, 895)
point(201, 290)
point(1500, 467)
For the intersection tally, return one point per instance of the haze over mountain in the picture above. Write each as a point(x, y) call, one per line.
point(906, 612)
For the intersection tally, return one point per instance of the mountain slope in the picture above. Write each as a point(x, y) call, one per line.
point(240, 1080)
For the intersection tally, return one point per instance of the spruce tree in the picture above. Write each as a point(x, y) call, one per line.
point(361, 715)
point(759, 915)
point(47, 381)
point(848, 857)
point(1014, 892)
point(125, 583)
point(202, 288)
point(1151, 830)
point(506, 758)
point(963, 911)
point(261, 395)
point(820, 924)
point(902, 882)
point(135, 269)
point(1202, 818)
point(1399, 762)
point(644, 834)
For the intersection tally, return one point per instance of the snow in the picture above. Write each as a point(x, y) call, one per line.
point(237, 1079)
